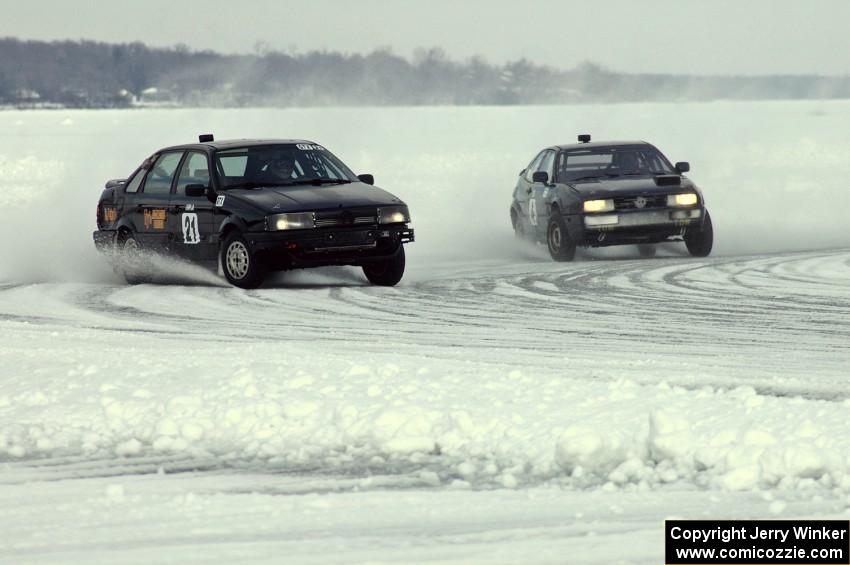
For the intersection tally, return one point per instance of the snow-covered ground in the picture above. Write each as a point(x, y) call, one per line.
point(494, 407)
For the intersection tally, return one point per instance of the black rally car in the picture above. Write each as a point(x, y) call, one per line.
point(254, 206)
point(600, 194)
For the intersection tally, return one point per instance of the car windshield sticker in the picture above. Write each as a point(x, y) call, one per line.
point(191, 234)
point(154, 218)
point(309, 147)
point(219, 201)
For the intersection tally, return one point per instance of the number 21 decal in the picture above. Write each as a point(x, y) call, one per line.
point(191, 234)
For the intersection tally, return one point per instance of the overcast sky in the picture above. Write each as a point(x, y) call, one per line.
point(668, 36)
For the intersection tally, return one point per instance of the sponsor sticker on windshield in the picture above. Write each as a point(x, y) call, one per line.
point(309, 147)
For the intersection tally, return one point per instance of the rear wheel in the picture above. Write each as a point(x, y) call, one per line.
point(241, 267)
point(699, 244)
point(561, 246)
point(387, 272)
point(132, 263)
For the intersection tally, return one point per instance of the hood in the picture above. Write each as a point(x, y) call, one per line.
point(628, 186)
point(307, 198)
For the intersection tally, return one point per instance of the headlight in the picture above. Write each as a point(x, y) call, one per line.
point(297, 221)
point(598, 205)
point(686, 199)
point(393, 215)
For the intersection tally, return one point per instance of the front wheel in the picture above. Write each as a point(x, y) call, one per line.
point(519, 232)
point(561, 246)
point(241, 267)
point(387, 272)
point(700, 243)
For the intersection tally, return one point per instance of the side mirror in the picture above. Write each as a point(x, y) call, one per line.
point(683, 167)
point(195, 190)
point(540, 176)
point(368, 179)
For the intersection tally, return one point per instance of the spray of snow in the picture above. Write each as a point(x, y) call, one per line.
point(772, 172)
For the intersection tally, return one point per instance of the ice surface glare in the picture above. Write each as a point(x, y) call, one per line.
point(773, 173)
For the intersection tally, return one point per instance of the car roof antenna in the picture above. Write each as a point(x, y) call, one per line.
point(584, 138)
point(206, 138)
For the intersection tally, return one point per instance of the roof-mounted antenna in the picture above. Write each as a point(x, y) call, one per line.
point(584, 138)
point(206, 138)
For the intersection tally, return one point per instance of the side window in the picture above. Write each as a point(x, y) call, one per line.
point(546, 163)
point(136, 181)
point(161, 174)
point(532, 167)
point(195, 170)
point(560, 167)
point(233, 164)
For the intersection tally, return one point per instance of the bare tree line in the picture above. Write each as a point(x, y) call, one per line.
point(97, 75)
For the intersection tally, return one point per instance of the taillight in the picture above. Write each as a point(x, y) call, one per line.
point(97, 216)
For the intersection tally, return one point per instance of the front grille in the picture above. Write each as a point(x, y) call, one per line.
point(356, 221)
point(649, 202)
point(344, 218)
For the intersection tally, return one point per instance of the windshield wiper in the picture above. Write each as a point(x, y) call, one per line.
point(256, 184)
point(318, 182)
point(589, 177)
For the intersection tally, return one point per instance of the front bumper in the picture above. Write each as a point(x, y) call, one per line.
point(338, 246)
point(637, 226)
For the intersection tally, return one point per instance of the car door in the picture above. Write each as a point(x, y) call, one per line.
point(522, 192)
point(538, 212)
point(152, 201)
point(190, 218)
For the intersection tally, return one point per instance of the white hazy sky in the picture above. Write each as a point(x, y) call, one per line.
point(669, 36)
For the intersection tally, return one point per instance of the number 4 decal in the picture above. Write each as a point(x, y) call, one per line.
point(191, 235)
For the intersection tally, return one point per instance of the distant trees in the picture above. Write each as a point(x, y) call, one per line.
point(92, 74)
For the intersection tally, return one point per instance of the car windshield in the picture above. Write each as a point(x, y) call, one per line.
point(611, 162)
point(293, 164)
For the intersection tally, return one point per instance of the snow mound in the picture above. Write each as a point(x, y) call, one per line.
point(452, 429)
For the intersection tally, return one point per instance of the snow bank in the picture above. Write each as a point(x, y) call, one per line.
point(445, 427)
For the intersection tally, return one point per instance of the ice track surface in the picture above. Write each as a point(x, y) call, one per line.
point(494, 408)
point(385, 416)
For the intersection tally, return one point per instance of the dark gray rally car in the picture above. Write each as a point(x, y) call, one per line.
point(252, 206)
point(600, 194)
